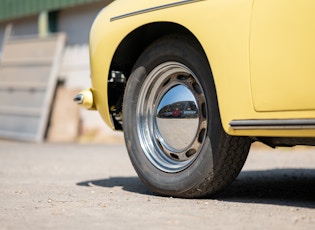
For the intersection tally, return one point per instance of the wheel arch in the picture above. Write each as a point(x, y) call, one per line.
point(131, 48)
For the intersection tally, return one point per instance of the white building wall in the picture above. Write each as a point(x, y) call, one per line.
point(77, 21)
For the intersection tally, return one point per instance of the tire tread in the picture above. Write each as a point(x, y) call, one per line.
point(230, 162)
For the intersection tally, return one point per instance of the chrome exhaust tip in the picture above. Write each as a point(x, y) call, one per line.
point(79, 98)
point(85, 99)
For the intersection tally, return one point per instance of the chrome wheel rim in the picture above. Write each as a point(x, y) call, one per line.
point(171, 117)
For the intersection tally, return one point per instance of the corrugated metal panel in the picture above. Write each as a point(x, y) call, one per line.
point(12, 9)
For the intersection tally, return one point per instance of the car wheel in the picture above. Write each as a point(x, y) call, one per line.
point(172, 125)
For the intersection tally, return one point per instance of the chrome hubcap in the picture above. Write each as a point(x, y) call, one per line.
point(171, 117)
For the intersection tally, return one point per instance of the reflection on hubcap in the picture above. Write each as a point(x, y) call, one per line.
point(171, 117)
point(177, 112)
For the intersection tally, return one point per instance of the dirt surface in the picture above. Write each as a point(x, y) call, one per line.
point(71, 186)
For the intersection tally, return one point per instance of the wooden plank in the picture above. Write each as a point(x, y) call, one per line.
point(30, 47)
point(27, 61)
point(18, 135)
point(22, 85)
point(29, 73)
point(22, 98)
point(20, 110)
point(28, 78)
point(21, 125)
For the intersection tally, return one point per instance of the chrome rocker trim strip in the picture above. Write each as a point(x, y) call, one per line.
point(273, 124)
point(154, 9)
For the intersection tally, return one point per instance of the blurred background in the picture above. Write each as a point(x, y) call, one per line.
point(22, 20)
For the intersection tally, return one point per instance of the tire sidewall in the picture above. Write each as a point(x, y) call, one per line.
point(202, 167)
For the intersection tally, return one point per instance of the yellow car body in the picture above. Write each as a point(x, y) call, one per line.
point(192, 83)
point(261, 56)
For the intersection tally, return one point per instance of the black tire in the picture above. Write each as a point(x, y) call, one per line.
point(172, 164)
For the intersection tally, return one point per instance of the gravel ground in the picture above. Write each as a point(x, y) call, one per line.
point(72, 186)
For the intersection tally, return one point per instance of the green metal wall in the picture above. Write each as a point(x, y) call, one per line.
point(12, 9)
